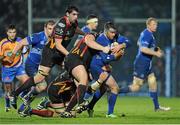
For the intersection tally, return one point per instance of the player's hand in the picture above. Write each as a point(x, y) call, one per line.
point(9, 59)
point(118, 48)
point(106, 49)
point(159, 53)
point(119, 54)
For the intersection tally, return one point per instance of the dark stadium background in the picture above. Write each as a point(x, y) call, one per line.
point(16, 12)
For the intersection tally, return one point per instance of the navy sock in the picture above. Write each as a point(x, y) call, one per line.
point(77, 97)
point(111, 102)
point(7, 101)
point(124, 90)
point(96, 97)
point(154, 97)
point(30, 82)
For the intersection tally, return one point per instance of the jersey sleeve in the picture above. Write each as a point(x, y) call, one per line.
point(33, 39)
point(59, 29)
point(107, 58)
point(145, 40)
point(85, 30)
point(25, 49)
point(1, 49)
point(122, 39)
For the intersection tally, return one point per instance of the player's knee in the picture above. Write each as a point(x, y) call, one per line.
point(152, 82)
point(8, 87)
point(40, 76)
point(134, 88)
point(83, 80)
point(103, 76)
point(115, 89)
point(41, 86)
point(137, 83)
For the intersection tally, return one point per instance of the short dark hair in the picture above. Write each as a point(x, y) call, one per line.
point(10, 26)
point(109, 25)
point(91, 16)
point(71, 8)
point(49, 22)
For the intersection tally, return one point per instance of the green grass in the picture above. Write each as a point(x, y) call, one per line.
point(137, 110)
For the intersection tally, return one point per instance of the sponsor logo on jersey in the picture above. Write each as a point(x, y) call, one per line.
point(61, 24)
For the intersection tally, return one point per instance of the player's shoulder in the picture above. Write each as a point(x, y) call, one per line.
point(101, 37)
point(61, 22)
point(85, 29)
point(4, 41)
point(146, 32)
point(40, 34)
point(122, 39)
point(18, 39)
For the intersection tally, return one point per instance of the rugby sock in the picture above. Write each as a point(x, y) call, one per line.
point(124, 90)
point(111, 102)
point(32, 94)
point(88, 93)
point(43, 113)
point(87, 96)
point(22, 94)
point(34, 91)
point(24, 86)
point(96, 97)
point(154, 97)
point(77, 97)
point(7, 101)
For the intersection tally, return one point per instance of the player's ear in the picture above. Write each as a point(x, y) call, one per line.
point(67, 14)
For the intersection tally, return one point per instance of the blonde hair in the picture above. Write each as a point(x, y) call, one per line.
point(150, 19)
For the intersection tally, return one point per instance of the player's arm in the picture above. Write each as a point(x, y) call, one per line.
point(144, 44)
point(119, 47)
point(20, 45)
point(60, 47)
point(123, 43)
point(79, 31)
point(149, 51)
point(59, 35)
point(1, 52)
point(90, 41)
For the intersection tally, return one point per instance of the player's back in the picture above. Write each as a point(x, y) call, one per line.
point(146, 39)
point(38, 41)
point(85, 29)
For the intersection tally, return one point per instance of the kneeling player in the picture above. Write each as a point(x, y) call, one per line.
point(60, 92)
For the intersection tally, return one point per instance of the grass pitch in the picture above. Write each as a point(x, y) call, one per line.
point(136, 109)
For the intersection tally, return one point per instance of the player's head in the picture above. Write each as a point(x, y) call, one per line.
point(110, 30)
point(11, 32)
point(92, 21)
point(72, 13)
point(48, 27)
point(151, 24)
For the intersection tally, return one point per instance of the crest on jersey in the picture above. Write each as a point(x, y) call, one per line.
point(61, 24)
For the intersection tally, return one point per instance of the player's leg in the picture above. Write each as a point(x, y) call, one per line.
point(139, 74)
point(8, 75)
point(44, 68)
point(97, 95)
point(100, 74)
point(80, 74)
point(7, 90)
point(31, 69)
point(103, 76)
point(112, 84)
point(32, 81)
point(153, 93)
point(136, 84)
